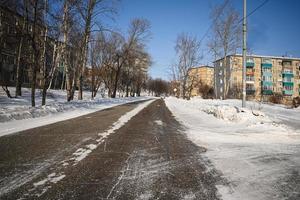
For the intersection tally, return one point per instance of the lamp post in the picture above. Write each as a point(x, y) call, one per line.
point(244, 53)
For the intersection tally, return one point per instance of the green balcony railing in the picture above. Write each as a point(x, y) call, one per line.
point(286, 83)
point(287, 74)
point(267, 92)
point(266, 65)
point(288, 92)
point(266, 73)
point(267, 83)
point(249, 64)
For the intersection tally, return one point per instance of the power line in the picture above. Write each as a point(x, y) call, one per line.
point(211, 25)
point(251, 13)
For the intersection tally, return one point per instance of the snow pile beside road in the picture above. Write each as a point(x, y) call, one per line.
point(20, 108)
point(258, 155)
point(228, 113)
point(16, 114)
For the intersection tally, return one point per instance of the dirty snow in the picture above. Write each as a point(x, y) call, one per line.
point(257, 149)
point(53, 178)
point(16, 114)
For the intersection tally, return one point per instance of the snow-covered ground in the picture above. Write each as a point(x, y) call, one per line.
point(16, 114)
point(256, 149)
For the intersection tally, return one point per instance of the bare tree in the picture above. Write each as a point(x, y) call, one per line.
point(89, 10)
point(34, 15)
point(158, 86)
point(225, 38)
point(188, 55)
point(98, 55)
point(138, 34)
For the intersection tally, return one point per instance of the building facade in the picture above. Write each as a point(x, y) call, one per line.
point(265, 76)
point(199, 76)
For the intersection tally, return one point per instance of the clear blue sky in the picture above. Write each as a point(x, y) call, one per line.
point(273, 30)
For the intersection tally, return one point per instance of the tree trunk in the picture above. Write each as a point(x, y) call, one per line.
point(36, 55)
point(127, 90)
point(45, 77)
point(116, 79)
point(19, 76)
point(6, 90)
point(66, 66)
point(93, 82)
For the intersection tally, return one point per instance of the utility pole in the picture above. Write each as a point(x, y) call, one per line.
point(244, 52)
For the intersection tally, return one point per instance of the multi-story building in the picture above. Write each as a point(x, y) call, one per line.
point(15, 48)
point(202, 75)
point(265, 76)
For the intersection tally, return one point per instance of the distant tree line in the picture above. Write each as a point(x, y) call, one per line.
point(158, 87)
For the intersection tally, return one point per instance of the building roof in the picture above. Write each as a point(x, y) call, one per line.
point(262, 56)
point(202, 66)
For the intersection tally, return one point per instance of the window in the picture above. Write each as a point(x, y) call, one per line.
point(288, 71)
point(287, 79)
point(249, 78)
point(267, 87)
point(267, 70)
point(266, 60)
point(250, 87)
point(267, 78)
point(288, 87)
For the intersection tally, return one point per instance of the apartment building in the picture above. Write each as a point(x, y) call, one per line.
point(15, 43)
point(265, 76)
point(200, 75)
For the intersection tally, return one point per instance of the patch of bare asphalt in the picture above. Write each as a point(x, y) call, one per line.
point(29, 154)
point(148, 158)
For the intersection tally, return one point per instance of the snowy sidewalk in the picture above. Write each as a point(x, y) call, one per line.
point(259, 157)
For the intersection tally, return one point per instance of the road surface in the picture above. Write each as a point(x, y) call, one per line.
point(149, 157)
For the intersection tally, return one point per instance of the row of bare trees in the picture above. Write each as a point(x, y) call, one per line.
point(70, 34)
point(121, 62)
point(158, 87)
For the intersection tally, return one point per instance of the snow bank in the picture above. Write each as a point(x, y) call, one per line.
point(16, 114)
point(19, 108)
point(257, 152)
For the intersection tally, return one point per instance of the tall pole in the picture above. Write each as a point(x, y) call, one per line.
point(244, 52)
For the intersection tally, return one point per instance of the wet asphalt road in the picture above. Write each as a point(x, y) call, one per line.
point(147, 158)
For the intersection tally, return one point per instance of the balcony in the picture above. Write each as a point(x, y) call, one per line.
point(288, 92)
point(250, 79)
point(249, 64)
point(266, 60)
point(267, 83)
point(267, 73)
point(249, 73)
point(266, 65)
point(287, 83)
point(250, 91)
point(267, 92)
point(287, 74)
point(287, 64)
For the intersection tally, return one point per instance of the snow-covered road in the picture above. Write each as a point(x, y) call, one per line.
point(258, 156)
